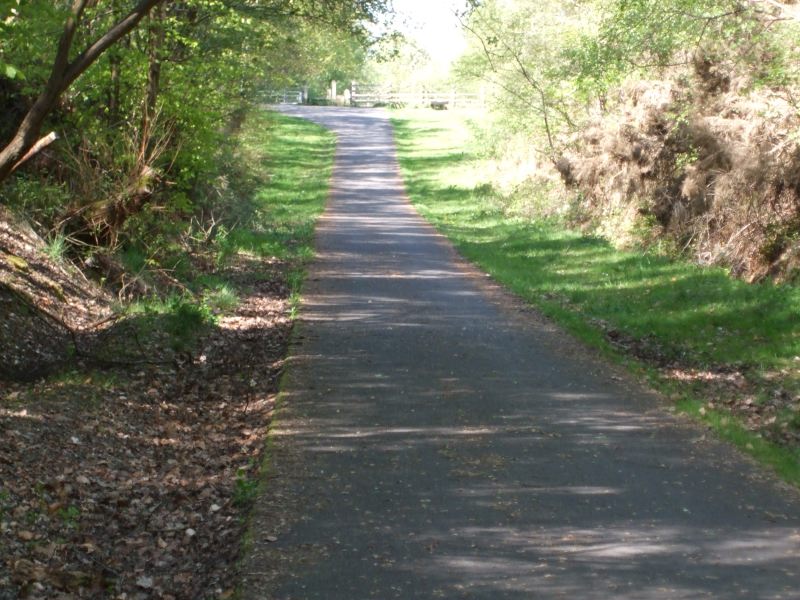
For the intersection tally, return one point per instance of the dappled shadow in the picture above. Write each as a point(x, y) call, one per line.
point(452, 447)
point(453, 452)
point(646, 295)
point(481, 462)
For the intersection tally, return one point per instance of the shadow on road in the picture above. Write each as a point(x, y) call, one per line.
point(453, 446)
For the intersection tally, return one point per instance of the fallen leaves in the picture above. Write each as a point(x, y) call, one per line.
point(122, 483)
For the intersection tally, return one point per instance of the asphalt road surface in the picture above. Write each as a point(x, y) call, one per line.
point(439, 440)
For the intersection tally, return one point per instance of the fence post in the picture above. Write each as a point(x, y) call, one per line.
point(333, 90)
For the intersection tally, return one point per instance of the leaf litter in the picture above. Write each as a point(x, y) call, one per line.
point(134, 481)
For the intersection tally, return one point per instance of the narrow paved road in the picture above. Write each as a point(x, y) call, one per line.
point(439, 441)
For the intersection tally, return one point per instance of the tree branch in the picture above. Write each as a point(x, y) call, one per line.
point(62, 74)
point(85, 59)
point(37, 147)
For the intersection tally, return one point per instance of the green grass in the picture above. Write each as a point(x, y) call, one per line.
point(56, 247)
point(697, 316)
point(179, 315)
point(285, 205)
point(220, 298)
point(246, 488)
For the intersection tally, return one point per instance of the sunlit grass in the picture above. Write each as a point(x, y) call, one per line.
point(221, 298)
point(698, 317)
point(298, 156)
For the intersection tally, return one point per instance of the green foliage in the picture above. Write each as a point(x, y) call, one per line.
point(641, 36)
point(32, 516)
point(279, 188)
point(181, 317)
point(245, 488)
point(133, 259)
point(5, 503)
point(311, 56)
point(26, 35)
point(282, 209)
point(526, 52)
point(148, 132)
point(700, 314)
point(551, 64)
point(38, 200)
point(185, 319)
point(69, 516)
point(399, 63)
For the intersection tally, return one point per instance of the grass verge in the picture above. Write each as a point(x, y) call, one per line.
point(726, 351)
point(294, 158)
point(299, 156)
point(281, 175)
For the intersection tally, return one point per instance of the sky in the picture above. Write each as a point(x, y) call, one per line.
point(433, 24)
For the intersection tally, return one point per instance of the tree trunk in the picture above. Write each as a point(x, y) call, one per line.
point(115, 76)
point(155, 43)
point(114, 89)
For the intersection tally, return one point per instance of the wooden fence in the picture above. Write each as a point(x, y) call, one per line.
point(283, 97)
point(372, 95)
point(362, 95)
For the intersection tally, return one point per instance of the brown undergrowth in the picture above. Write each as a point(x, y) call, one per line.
point(128, 478)
point(708, 162)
